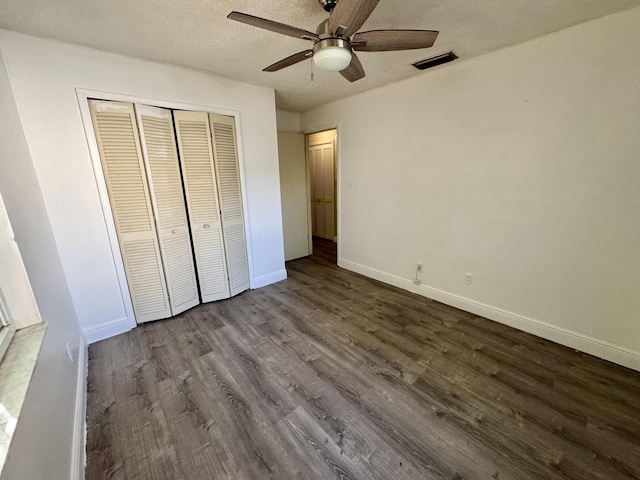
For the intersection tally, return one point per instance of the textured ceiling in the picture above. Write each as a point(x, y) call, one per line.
point(197, 34)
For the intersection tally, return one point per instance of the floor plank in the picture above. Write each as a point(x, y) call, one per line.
point(329, 374)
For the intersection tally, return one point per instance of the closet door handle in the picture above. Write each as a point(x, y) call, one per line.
point(206, 225)
point(174, 231)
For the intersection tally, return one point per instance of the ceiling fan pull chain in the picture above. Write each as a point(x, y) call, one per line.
point(312, 71)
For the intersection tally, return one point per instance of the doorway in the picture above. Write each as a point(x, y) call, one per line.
point(308, 190)
point(321, 154)
point(321, 157)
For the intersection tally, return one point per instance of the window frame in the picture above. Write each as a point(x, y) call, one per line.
point(7, 329)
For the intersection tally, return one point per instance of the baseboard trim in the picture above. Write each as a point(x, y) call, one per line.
point(107, 330)
point(265, 280)
point(78, 452)
point(569, 338)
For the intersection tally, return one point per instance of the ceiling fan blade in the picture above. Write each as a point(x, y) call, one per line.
point(287, 62)
point(390, 40)
point(354, 71)
point(277, 27)
point(349, 15)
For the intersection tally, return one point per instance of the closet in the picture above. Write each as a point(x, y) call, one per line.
point(174, 188)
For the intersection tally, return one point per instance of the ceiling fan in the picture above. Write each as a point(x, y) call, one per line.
point(333, 48)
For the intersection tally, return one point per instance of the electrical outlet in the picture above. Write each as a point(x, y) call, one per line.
point(468, 278)
point(69, 353)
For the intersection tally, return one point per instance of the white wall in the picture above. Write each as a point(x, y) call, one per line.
point(44, 75)
point(46, 424)
point(520, 167)
point(288, 121)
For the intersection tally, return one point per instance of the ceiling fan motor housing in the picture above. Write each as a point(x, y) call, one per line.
point(323, 30)
point(330, 52)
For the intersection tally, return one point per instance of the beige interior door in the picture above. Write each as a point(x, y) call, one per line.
point(201, 191)
point(294, 195)
point(167, 199)
point(126, 180)
point(322, 167)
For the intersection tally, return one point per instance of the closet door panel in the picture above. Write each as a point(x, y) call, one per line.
point(328, 188)
point(317, 192)
point(167, 198)
point(117, 137)
point(230, 194)
point(196, 155)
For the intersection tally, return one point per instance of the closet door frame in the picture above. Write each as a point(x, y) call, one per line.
point(83, 96)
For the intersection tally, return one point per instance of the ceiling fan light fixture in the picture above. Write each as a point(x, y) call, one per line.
point(333, 49)
point(332, 54)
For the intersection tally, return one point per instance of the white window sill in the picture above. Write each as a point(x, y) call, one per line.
point(16, 370)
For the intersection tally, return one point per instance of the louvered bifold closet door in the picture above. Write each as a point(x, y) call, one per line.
point(225, 153)
point(116, 133)
point(167, 198)
point(196, 157)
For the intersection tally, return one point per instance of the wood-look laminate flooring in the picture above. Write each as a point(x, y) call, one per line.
point(332, 375)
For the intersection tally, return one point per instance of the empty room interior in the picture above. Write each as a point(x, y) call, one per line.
point(319, 239)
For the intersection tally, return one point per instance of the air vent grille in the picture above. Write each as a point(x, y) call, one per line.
point(435, 61)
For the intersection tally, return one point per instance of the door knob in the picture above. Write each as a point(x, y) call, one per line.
point(174, 231)
point(206, 225)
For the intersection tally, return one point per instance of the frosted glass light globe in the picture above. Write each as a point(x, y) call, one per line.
point(332, 59)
